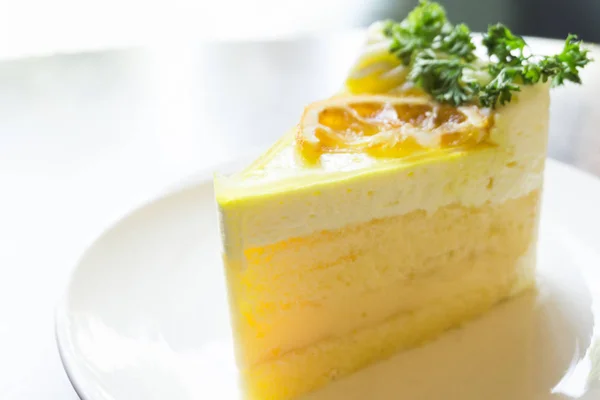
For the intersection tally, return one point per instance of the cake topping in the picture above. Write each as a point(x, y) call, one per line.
point(388, 125)
point(440, 58)
point(419, 85)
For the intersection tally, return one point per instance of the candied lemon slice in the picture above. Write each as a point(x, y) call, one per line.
point(388, 126)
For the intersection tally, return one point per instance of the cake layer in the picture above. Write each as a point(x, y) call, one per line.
point(280, 197)
point(291, 294)
point(306, 369)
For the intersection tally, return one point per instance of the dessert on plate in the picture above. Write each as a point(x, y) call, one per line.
point(401, 207)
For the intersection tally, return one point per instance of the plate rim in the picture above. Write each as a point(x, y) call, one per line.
point(61, 321)
point(202, 177)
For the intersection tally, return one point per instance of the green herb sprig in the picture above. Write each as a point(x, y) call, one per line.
point(442, 60)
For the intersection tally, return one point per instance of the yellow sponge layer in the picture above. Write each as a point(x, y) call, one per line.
point(308, 310)
point(304, 370)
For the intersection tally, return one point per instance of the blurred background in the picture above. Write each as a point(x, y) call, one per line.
point(53, 25)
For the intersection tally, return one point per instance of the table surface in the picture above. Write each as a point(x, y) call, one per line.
point(86, 137)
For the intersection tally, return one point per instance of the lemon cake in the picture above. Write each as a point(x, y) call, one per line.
point(399, 208)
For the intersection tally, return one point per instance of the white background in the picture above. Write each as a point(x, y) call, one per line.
point(34, 26)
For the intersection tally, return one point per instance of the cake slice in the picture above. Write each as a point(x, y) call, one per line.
point(395, 210)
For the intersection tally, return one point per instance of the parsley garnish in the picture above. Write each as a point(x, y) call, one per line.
point(439, 53)
point(442, 77)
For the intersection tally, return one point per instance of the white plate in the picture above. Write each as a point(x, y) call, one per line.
point(145, 316)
